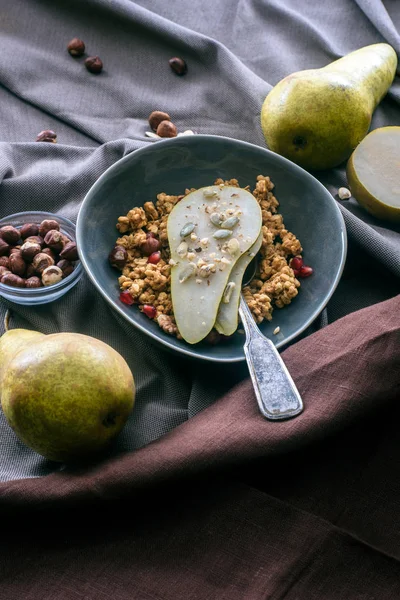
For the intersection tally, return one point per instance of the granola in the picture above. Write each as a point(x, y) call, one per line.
point(147, 278)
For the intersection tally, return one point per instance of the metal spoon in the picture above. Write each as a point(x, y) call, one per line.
point(275, 390)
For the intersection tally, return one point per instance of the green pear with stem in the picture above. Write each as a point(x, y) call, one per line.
point(317, 117)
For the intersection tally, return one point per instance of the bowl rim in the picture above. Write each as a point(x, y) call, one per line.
point(209, 138)
point(42, 291)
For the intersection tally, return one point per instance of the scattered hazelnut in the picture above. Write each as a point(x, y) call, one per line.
point(9, 234)
point(29, 229)
point(54, 239)
point(76, 47)
point(178, 65)
point(4, 247)
point(41, 262)
point(69, 252)
point(156, 117)
point(49, 252)
point(47, 136)
point(13, 280)
point(94, 64)
point(149, 246)
point(30, 271)
point(3, 271)
point(4, 262)
point(17, 264)
point(166, 129)
point(29, 250)
point(66, 267)
point(48, 225)
point(15, 249)
point(117, 257)
point(33, 282)
point(51, 275)
point(35, 238)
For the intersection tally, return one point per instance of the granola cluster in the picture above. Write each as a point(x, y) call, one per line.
point(274, 285)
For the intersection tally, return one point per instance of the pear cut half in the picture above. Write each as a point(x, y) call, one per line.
point(227, 318)
point(208, 231)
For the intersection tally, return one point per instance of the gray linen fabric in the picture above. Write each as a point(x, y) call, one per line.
point(236, 50)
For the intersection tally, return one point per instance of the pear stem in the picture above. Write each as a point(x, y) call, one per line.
point(7, 317)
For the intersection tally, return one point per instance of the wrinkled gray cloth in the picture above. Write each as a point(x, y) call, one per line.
point(236, 51)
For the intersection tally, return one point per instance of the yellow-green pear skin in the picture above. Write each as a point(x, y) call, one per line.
point(317, 117)
point(67, 396)
point(11, 342)
point(373, 173)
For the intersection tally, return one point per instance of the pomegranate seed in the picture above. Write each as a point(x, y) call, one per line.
point(126, 298)
point(296, 263)
point(305, 271)
point(149, 311)
point(154, 258)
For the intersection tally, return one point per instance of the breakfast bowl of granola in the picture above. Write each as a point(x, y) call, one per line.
point(168, 232)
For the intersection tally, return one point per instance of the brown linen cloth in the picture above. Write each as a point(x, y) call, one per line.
point(228, 505)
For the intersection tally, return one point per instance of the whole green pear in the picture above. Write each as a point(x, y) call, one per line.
point(11, 342)
point(317, 117)
point(67, 395)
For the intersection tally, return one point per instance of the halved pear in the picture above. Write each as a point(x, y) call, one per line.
point(208, 231)
point(373, 173)
point(227, 317)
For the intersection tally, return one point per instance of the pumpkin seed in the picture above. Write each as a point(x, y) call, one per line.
point(187, 230)
point(228, 292)
point(182, 249)
point(216, 219)
point(233, 247)
point(230, 223)
point(187, 272)
point(221, 234)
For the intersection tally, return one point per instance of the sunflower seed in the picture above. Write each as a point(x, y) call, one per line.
point(187, 272)
point(187, 229)
point(221, 234)
point(230, 223)
point(228, 292)
point(216, 219)
point(182, 249)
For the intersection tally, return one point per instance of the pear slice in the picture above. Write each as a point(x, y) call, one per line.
point(373, 173)
point(227, 317)
point(208, 231)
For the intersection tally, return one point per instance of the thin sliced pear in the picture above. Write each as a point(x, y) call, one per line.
point(227, 317)
point(203, 252)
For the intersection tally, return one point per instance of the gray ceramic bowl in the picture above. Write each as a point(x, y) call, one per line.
point(171, 165)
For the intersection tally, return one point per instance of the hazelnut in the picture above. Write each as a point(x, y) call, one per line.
point(35, 238)
point(94, 64)
point(28, 230)
point(156, 117)
point(33, 282)
point(166, 129)
point(13, 280)
point(178, 65)
point(66, 267)
point(4, 262)
point(76, 47)
point(47, 135)
point(150, 245)
point(117, 257)
point(54, 239)
point(41, 262)
point(3, 271)
point(29, 250)
point(30, 271)
point(51, 275)
point(48, 225)
point(17, 264)
point(9, 234)
point(69, 252)
point(49, 252)
point(15, 249)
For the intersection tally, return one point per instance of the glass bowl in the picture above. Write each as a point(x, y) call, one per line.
point(42, 295)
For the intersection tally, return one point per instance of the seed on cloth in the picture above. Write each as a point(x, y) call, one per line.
point(178, 65)
point(94, 64)
point(47, 135)
point(76, 47)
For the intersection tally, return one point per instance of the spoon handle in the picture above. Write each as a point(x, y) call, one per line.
point(275, 390)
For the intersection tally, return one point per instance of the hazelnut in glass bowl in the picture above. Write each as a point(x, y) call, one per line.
point(39, 259)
